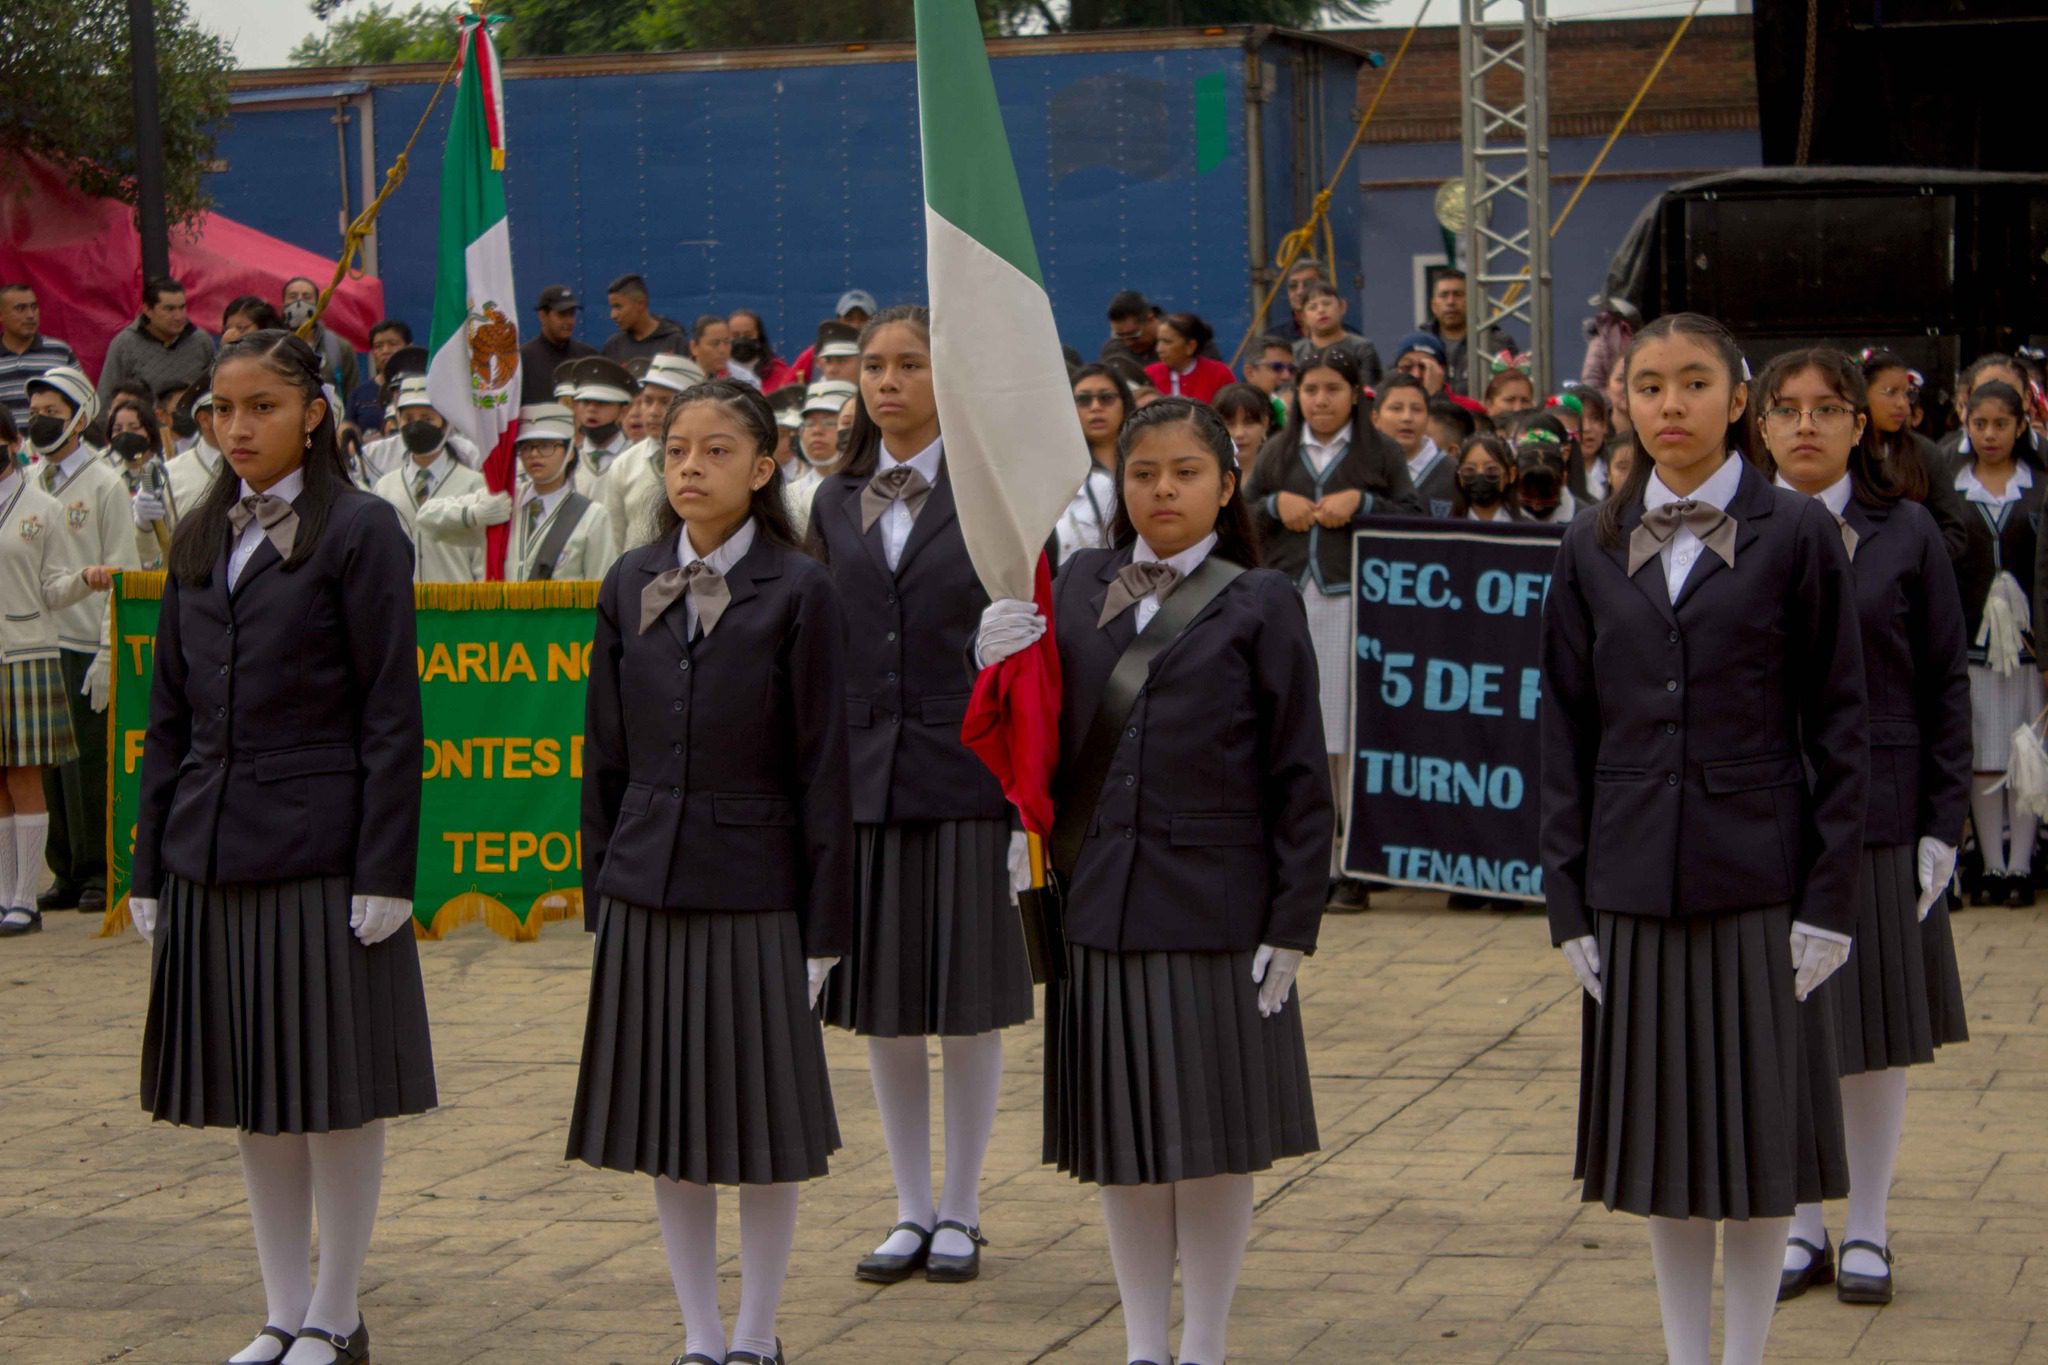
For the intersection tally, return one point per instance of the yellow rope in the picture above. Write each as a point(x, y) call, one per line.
point(352, 240)
point(136, 585)
point(1303, 237)
point(1515, 289)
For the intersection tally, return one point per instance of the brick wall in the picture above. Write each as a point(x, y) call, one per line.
point(1595, 67)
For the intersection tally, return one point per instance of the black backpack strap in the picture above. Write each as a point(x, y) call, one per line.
point(1083, 786)
point(567, 518)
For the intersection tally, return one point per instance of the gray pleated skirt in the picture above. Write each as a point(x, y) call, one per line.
point(267, 1014)
point(702, 1060)
point(1159, 1067)
point(1700, 1095)
point(1900, 994)
point(1999, 705)
point(938, 945)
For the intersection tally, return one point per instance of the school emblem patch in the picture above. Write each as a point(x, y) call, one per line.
point(31, 527)
point(77, 513)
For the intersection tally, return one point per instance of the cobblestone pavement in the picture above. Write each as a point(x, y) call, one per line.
point(1438, 1223)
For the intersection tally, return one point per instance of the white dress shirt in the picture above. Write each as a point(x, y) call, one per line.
point(286, 489)
point(2016, 483)
point(59, 478)
point(897, 519)
point(1683, 550)
point(1187, 561)
point(721, 560)
point(1322, 454)
point(1424, 460)
point(1085, 523)
point(1835, 497)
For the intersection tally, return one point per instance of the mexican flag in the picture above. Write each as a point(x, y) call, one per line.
point(473, 348)
point(1014, 448)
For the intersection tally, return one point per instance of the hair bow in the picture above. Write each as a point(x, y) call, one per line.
point(1511, 359)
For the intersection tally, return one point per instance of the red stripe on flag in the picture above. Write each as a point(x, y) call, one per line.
point(498, 478)
point(1013, 719)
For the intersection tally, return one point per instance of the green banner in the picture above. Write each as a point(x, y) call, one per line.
point(501, 669)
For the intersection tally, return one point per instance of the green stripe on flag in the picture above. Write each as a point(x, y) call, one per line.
point(965, 182)
point(1212, 121)
point(472, 201)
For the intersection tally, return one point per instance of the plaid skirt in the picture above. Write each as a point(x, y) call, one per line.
point(35, 721)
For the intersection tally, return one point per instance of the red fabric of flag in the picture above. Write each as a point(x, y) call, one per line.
point(1013, 719)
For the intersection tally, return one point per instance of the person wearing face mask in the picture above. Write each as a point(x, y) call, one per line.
point(1485, 485)
point(388, 452)
point(631, 487)
point(445, 506)
point(337, 357)
point(136, 453)
point(94, 502)
point(751, 348)
point(190, 472)
point(603, 388)
point(557, 531)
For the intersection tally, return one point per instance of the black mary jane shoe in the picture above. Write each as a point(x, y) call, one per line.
point(12, 928)
point(283, 1339)
point(1819, 1269)
point(353, 1348)
point(1989, 890)
point(696, 1358)
point(2019, 891)
point(941, 1269)
point(1853, 1288)
point(877, 1268)
point(754, 1357)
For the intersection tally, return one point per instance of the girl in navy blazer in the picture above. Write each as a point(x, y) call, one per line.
point(1901, 995)
point(276, 838)
point(937, 947)
point(717, 863)
point(1174, 1068)
point(1705, 746)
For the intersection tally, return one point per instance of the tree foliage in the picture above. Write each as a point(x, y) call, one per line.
point(65, 94)
point(381, 32)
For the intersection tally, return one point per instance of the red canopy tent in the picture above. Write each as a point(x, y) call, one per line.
point(82, 257)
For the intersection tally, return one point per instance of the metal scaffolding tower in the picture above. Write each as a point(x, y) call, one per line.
point(1507, 178)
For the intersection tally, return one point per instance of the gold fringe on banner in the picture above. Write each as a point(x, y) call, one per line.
point(115, 922)
point(472, 907)
point(140, 585)
point(136, 585)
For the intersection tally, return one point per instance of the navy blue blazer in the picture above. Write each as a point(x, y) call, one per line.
point(909, 667)
point(1713, 756)
point(1212, 832)
point(284, 717)
point(714, 771)
point(1917, 674)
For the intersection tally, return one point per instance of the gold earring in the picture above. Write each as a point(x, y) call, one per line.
point(309, 440)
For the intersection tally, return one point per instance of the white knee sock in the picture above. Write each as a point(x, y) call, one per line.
point(1212, 1223)
point(689, 1233)
point(1987, 813)
point(1808, 1224)
point(767, 1231)
point(1140, 1222)
point(1682, 1249)
point(974, 1083)
point(348, 1174)
point(280, 1184)
point(2024, 826)
point(1873, 1115)
point(10, 864)
point(901, 1071)
point(1752, 1252)
point(31, 839)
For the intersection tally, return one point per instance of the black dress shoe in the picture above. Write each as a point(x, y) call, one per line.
point(2019, 890)
point(1820, 1269)
point(21, 920)
point(59, 897)
point(877, 1268)
point(1348, 896)
point(93, 900)
point(956, 1269)
point(353, 1348)
point(1853, 1288)
point(1989, 890)
point(276, 1334)
point(696, 1358)
point(754, 1357)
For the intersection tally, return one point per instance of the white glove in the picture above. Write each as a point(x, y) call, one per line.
point(148, 509)
point(376, 918)
point(1020, 863)
point(1584, 955)
point(99, 680)
point(1937, 867)
point(493, 509)
point(816, 969)
point(143, 913)
point(1816, 956)
point(1274, 969)
point(1008, 625)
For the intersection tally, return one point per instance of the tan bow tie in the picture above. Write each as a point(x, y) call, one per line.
point(279, 522)
point(1714, 527)
point(902, 484)
point(705, 585)
point(1136, 581)
point(1849, 538)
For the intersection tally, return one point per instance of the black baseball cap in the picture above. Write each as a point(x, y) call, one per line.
point(558, 298)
